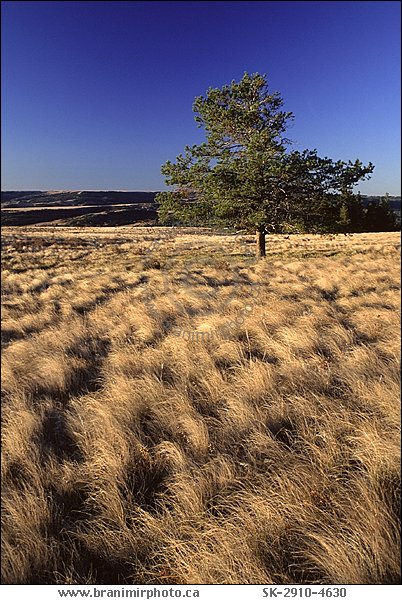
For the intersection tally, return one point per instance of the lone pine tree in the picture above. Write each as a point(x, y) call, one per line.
point(244, 174)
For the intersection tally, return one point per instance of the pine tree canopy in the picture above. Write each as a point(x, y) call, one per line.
point(245, 173)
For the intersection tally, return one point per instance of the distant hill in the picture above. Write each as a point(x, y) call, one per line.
point(78, 208)
point(11, 199)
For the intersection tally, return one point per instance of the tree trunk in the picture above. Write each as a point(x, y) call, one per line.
point(260, 239)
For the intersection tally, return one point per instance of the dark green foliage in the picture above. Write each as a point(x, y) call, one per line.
point(350, 214)
point(356, 217)
point(244, 174)
point(379, 216)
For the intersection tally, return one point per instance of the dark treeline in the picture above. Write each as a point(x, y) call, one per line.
point(351, 213)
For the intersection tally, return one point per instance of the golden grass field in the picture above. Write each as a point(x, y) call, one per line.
point(175, 412)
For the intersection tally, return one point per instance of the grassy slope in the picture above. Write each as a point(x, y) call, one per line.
point(83, 208)
point(135, 451)
point(79, 216)
point(11, 199)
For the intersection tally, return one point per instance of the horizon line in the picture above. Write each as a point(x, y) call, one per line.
point(129, 191)
point(82, 190)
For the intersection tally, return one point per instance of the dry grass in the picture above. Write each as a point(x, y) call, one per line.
point(176, 413)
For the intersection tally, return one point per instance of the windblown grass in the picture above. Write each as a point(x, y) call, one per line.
point(174, 412)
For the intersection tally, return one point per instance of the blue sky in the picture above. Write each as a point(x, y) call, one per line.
point(97, 95)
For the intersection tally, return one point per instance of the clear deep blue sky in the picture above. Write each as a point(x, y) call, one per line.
point(97, 95)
